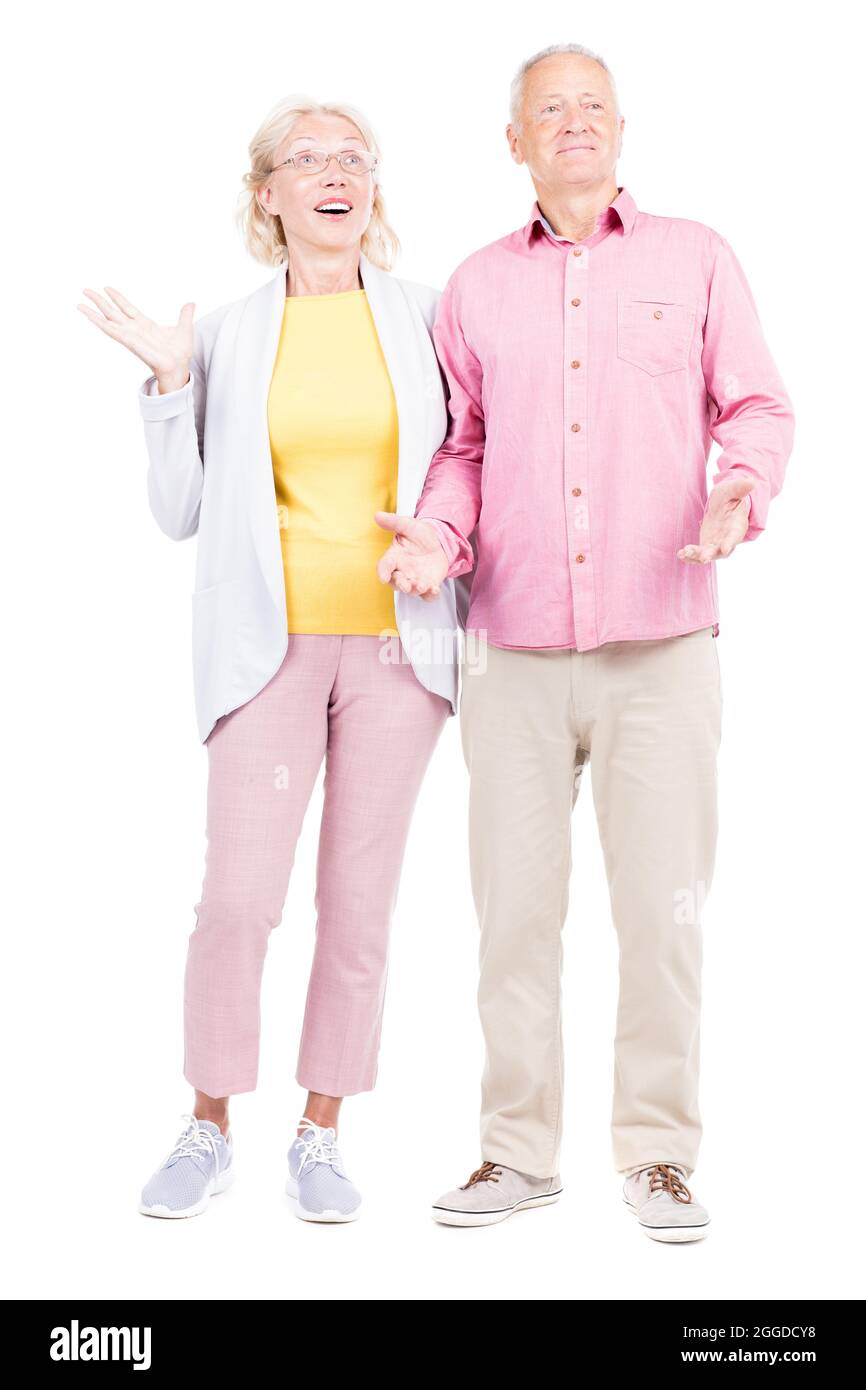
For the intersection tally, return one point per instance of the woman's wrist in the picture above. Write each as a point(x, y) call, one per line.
point(172, 381)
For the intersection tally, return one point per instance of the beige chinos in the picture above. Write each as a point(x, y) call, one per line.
point(646, 716)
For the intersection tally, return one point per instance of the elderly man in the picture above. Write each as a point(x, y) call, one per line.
point(592, 357)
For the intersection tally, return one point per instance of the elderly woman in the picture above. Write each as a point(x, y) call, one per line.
point(281, 428)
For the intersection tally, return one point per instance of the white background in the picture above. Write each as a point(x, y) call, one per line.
point(124, 132)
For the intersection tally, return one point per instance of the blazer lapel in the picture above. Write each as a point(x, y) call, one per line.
point(396, 333)
point(256, 342)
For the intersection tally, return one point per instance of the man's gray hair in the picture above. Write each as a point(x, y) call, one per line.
point(519, 76)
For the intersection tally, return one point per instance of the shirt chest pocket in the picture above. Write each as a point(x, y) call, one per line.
point(654, 332)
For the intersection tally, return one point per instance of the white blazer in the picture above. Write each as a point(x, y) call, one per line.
point(211, 472)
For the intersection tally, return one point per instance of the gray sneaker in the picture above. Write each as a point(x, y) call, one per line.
point(663, 1205)
point(317, 1181)
point(199, 1165)
point(493, 1193)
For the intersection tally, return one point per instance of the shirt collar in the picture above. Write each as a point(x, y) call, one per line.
point(623, 210)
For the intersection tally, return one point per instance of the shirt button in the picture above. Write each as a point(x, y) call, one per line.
point(580, 559)
point(657, 314)
point(575, 302)
point(576, 251)
point(575, 492)
point(575, 364)
point(575, 428)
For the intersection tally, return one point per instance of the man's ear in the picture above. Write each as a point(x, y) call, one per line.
point(512, 136)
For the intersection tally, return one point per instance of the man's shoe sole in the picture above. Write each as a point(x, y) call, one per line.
point(672, 1235)
point(450, 1216)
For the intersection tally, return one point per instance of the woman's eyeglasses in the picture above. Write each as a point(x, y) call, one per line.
point(313, 161)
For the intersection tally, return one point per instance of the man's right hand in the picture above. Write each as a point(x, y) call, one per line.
point(415, 562)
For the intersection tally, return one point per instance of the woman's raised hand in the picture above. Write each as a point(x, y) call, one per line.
point(166, 350)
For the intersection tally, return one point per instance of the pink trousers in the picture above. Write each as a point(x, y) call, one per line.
point(376, 725)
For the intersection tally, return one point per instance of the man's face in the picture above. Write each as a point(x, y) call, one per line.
point(568, 133)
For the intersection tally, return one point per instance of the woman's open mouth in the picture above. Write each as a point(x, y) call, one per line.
point(334, 208)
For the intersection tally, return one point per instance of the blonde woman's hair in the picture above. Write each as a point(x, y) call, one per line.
point(262, 232)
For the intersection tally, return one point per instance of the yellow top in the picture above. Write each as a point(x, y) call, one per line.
point(332, 420)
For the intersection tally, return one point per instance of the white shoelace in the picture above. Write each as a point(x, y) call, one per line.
point(194, 1140)
point(316, 1147)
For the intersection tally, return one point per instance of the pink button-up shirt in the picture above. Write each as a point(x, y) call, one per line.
point(587, 383)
